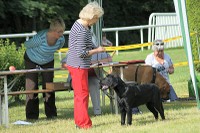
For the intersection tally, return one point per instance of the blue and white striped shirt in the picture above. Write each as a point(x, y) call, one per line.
point(80, 42)
point(38, 49)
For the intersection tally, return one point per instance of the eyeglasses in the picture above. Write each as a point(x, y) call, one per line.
point(159, 43)
point(60, 31)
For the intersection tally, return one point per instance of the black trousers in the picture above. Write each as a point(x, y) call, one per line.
point(32, 101)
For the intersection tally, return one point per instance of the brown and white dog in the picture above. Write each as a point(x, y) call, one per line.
point(143, 74)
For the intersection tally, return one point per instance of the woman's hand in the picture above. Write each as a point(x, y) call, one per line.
point(101, 49)
point(64, 65)
point(171, 70)
point(96, 50)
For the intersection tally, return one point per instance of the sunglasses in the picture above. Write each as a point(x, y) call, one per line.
point(159, 43)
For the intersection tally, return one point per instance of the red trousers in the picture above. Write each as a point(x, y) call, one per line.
point(81, 96)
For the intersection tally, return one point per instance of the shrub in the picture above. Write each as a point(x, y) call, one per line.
point(12, 56)
point(193, 13)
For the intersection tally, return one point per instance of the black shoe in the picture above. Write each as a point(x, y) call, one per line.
point(31, 119)
point(166, 101)
point(136, 111)
point(77, 127)
point(51, 117)
point(97, 115)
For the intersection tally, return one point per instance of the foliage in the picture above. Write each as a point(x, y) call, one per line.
point(132, 13)
point(193, 18)
point(19, 16)
point(31, 15)
point(11, 56)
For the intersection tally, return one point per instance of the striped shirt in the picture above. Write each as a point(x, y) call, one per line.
point(39, 51)
point(80, 43)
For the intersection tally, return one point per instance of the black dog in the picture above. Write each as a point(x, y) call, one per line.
point(133, 95)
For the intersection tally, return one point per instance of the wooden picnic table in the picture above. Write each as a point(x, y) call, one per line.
point(4, 118)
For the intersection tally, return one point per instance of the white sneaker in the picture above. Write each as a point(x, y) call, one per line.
point(168, 101)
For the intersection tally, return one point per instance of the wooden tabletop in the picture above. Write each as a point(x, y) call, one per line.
point(3, 73)
point(23, 71)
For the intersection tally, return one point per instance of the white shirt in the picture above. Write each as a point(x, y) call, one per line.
point(161, 68)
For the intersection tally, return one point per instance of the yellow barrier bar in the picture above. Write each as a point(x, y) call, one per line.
point(132, 46)
point(184, 63)
point(61, 76)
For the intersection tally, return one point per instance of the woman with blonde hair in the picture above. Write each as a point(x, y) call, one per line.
point(78, 61)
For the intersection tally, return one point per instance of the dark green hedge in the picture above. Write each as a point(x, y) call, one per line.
point(10, 55)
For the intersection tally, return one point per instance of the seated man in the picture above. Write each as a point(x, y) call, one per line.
point(94, 76)
point(105, 41)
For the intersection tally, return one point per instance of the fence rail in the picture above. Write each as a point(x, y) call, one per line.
point(116, 30)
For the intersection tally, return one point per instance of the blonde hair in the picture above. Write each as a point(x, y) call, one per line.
point(57, 23)
point(91, 10)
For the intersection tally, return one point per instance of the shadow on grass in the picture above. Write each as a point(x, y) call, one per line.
point(65, 109)
point(16, 101)
point(173, 105)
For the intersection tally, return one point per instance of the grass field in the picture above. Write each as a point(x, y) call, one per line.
point(181, 116)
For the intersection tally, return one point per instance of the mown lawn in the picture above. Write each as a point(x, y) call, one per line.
point(181, 116)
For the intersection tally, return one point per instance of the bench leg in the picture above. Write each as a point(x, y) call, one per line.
point(3, 111)
point(103, 99)
point(5, 105)
point(1, 115)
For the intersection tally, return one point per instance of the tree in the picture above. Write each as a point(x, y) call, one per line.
point(28, 15)
point(193, 13)
point(19, 16)
point(131, 13)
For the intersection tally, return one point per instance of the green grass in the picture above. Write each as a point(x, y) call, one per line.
point(181, 116)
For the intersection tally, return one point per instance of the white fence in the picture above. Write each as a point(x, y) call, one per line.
point(161, 28)
point(164, 32)
point(116, 30)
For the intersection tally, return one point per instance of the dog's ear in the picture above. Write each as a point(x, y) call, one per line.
point(115, 80)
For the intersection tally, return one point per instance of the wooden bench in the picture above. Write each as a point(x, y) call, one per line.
point(50, 87)
point(58, 86)
point(13, 93)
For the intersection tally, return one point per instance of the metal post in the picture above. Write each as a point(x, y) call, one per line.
point(117, 40)
point(142, 40)
point(115, 95)
point(1, 115)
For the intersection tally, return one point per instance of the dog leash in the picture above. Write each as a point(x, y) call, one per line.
point(107, 94)
point(99, 71)
point(154, 75)
point(124, 94)
point(136, 72)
